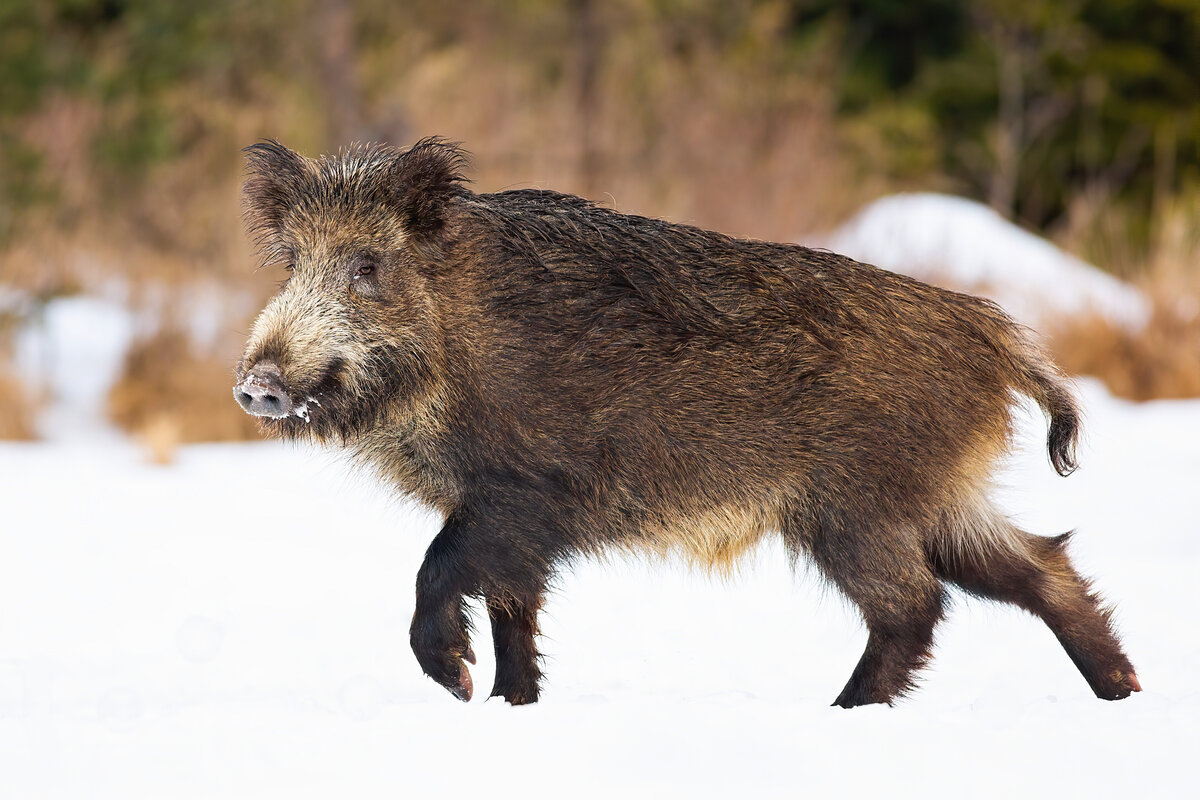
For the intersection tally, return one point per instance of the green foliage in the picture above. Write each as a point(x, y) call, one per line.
point(1102, 95)
point(128, 57)
point(21, 186)
point(887, 42)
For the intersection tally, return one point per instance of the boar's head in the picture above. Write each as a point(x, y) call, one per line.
point(353, 332)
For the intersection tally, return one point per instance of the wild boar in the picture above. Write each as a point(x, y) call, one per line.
point(560, 380)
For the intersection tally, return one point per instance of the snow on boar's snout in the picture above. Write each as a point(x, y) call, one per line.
point(558, 379)
point(261, 392)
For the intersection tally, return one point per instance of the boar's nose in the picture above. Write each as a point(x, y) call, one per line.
point(262, 393)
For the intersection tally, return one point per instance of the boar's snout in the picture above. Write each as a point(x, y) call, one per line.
point(262, 392)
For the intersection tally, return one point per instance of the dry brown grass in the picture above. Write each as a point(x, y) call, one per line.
point(16, 409)
point(1160, 361)
point(732, 134)
point(673, 135)
point(735, 140)
point(17, 404)
point(169, 394)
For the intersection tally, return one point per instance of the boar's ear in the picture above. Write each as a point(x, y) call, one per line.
point(423, 180)
point(276, 176)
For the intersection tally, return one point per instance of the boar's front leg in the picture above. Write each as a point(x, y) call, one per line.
point(440, 634)
point(482, 552)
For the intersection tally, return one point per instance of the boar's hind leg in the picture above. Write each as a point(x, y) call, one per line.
point(1034, 572)
point(514, 632)
point(900, 599)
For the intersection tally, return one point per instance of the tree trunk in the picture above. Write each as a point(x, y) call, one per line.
point(1010, 125)
point(336, 51)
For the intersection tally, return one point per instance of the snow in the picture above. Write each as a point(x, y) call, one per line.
point(235, 625)
point(302, 411)
point(959, 243)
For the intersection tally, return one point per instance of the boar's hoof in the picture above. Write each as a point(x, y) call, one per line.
point(1121, 686)
point(456, 679)
point(463, 688)
point(445, 665)
point(517, 679)
point(516, 697)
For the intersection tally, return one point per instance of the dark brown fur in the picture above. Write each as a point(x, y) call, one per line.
point(560, 379)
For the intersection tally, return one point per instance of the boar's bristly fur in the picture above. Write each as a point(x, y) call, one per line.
point(559, 379)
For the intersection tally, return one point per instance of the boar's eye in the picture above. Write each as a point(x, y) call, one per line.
point(361, 265)
point(360, 268)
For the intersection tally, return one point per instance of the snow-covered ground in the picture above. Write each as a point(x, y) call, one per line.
point(234, 625)
point(967, 246)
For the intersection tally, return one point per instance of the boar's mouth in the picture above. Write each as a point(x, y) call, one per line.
point(338, 406)
point(313, 407)
point(348, 400)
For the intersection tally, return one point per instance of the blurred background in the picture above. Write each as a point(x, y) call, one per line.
point(1046, 154)
point(233, 624)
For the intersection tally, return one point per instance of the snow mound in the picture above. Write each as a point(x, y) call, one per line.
point(967, 246)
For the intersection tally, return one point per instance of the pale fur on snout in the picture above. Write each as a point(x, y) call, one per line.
point(305, 329)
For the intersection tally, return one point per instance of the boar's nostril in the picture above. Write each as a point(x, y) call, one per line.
point(262, 392)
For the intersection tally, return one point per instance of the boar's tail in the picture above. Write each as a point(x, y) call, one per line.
point(1059, 402)
point(1047, 385)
